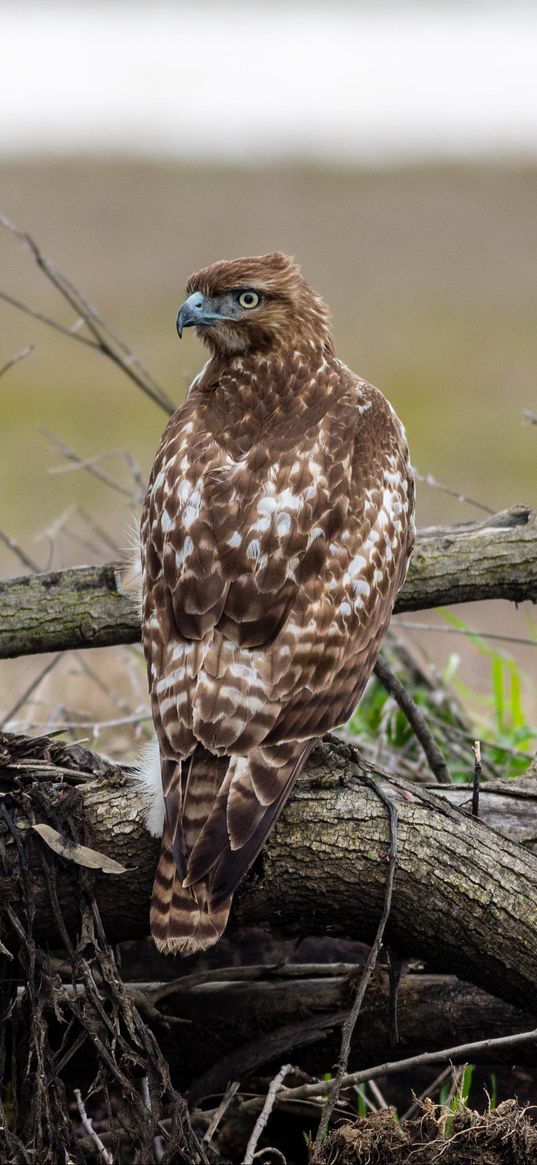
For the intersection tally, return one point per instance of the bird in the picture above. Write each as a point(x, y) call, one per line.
point(275, 535)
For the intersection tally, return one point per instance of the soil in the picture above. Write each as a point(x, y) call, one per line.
point(505, 1136)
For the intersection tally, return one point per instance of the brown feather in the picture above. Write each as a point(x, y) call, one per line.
point(275, 535)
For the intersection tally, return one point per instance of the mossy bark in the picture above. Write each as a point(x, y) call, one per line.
point(85, 606)
point(464, 897)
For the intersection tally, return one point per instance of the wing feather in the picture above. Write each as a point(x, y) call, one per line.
point(273, 555)
point(239, 822)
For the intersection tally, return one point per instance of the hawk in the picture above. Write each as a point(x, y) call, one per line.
point(275, 535)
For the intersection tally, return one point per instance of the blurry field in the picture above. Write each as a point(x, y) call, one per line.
point(431, 275)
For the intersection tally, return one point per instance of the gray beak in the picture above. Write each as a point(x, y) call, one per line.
point(191, 312)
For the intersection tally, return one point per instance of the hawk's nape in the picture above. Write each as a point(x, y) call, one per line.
point(276, 533)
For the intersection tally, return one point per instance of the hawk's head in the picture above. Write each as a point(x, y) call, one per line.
point(255, 304)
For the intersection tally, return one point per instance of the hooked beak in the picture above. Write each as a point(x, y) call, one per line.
point(195, 312)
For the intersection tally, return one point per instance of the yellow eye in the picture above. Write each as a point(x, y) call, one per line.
point(249, 299)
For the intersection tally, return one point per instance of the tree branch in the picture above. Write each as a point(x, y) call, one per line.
point(463, 900)
point(238, 1025)
point(85, 606)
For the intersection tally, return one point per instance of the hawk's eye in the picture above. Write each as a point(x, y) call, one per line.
point(249, 299)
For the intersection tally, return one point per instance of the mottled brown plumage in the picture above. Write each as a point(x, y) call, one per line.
point(275, 535)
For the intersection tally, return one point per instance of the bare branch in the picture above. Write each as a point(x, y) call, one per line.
point(429, 1090)
point(371, 962)
point(84, 463)
point(21, 554)
point(477, 778)
point(86, 607)
point(104, 339)
point(428, 479)
point(88, 1125)
point(219, 1112)
point(435, 757)
point(98, 530)
point(17, 358)
point(460, 1052)
point(44, 319)
point(30, 689)
point(263, 1117)
point(111, 694)
point(470, 632)
point(95, 725)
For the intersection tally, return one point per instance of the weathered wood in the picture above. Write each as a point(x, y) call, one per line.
point(86, 607)
point(464, 897)
point(238, 1019)
point(492, 559)
point(81, 607)
point(510, 807)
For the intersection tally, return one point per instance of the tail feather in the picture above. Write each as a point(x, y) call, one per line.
point(182, 918)
point(239, 821)
point(172, 792)
point(219, 811)
point(182, 921)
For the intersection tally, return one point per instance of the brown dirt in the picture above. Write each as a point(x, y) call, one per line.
point(505, 1136)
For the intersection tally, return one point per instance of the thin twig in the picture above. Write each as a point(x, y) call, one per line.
point(88, 1125)
point(32, 687)
point(435, 757)
point(135, 471)
point(21, 554)
point(360, 1091)
point(458, 1052)
point(95, 725)
point(89, 462)
point(428, 479)
point(477, 778)
point(99, 531)
point(467, 631)
point(50, 532)
point(104, 339)
point(464, 736)
point(219, 1112)
point(457, 1075)
point(44, 319)
point(85, 463)
point(17, 358)
point(112, 696)
point(371, 962)
point(374, 1088)
point(429, 1090)
point(265, 1113)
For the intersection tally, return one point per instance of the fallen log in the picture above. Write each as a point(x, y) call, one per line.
point(464, 896)
point(238, 1025)
point(87, 607)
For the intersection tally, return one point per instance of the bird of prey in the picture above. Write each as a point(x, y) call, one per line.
point(276, 532)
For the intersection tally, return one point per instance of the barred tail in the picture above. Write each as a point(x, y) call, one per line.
point(219, 811)
point(182, 920)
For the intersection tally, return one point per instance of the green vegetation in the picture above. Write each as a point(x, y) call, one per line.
point(456, 714)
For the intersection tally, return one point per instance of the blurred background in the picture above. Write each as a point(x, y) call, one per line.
point(390, 146)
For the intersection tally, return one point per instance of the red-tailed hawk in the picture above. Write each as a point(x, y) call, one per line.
point(276, 532)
